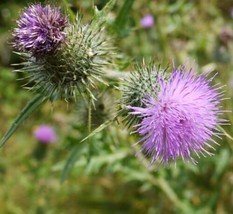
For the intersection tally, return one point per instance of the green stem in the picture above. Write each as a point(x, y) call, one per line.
point(166, 188)
point(89, 116)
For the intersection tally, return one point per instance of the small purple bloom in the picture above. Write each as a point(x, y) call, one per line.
point(45, 134)
point(147, 21)
point(231, 12)
point(180, 119)
point(40, 30)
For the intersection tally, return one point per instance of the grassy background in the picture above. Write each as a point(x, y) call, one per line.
point(106, 176)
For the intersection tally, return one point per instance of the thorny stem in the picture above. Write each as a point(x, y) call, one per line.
point(89, 117)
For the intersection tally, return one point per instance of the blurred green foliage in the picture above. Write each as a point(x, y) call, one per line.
point(102, 175)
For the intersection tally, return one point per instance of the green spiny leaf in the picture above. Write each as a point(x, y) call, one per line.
point(75, 152)
point(101, 15)
point(98, 129)
point(23, 115)
point(225, 133)
point(123, 15)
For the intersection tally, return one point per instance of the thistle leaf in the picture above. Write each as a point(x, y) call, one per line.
point(98, 129)
point(101, 15)
point(23, 115)
point(76, 151)
point(225, 133)
point(68, 9)
point(123, 15)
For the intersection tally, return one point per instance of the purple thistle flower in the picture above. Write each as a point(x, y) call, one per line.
point(45, 134)
point(147, 21)
point(180, 119)
point(40, 30)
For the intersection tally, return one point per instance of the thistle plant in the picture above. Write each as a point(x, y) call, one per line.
point(176, 114)
point(179, 118)
point(61, 58)
point(45, 135)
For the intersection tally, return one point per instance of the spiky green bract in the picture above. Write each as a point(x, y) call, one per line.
point(140, 83)
point(76, 67)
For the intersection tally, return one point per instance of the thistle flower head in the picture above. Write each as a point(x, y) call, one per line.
point(181, 119)
point(40, 30)
point(73, 69)
point(147, 21)
point(45, 134)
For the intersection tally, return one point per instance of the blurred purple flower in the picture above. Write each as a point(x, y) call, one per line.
point(45, 134)
point(40, 30)
point(231, 12)
point(180, 119)
point(147, 21)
